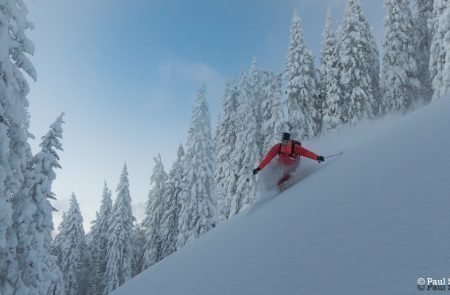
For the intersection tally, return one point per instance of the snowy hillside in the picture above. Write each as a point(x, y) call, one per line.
point(372, 221)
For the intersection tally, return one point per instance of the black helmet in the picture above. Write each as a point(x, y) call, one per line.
point(286, 136)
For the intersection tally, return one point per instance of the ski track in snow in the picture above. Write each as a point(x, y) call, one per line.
point(371, 221)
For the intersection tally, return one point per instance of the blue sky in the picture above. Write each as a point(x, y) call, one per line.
point(126, 74)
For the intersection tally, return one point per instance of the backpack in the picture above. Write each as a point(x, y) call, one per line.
point(293, 144)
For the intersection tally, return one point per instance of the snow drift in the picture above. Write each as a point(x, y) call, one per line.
point(372, 221)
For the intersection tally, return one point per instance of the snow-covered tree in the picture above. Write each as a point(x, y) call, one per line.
point(197, 200)
point(15, 151)
point(246, 153)
point(56, 279)
point(273, 121)
point(424, 14)
point(98, 242)
point(253, 91)
point(301, 85)
point(440, 48)
point(18, 47)
point(33, 214)
point(5, 169)
point(329, 88)
point(241, 136)
point(327, 53)
point(358, 66)
point(119, 251)
point(399, 81)
point(70, 248)
point(171, 207)
point(153, 215)
point(224, 146)
point(251, 120)
point(138, 249)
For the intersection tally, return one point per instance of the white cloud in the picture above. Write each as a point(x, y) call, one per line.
point(196, 72)
point(180, 74)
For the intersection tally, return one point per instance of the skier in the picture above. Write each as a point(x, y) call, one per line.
point(289, 152)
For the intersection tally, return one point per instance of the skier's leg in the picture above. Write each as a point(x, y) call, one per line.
point(268, 176)
point(283, 179)
point(287, 171)
point(291, 168)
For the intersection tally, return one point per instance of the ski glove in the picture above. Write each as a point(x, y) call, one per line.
point(320, 159)
point(255, 171)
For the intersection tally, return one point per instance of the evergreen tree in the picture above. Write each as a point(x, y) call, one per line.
point(19, 46)
point(301, 85)
point(98, 242)
point(224, 145)
point(197, 200)
point(253, 91)
point(153, 215)
point(358, 66)
point(424, 14)
point(440, 48)
point(272, 114)
point(33, 214)
point(15, 151)
point(55, 248)
point(56, 278)
point(326, 54)
point(171, 206)
point(247, 151)
point(119, 251)
point(138, 249)
point(251, 122)
point(329, 87)
point(399, 77)
point(71, 250)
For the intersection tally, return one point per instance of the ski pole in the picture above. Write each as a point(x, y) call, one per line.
point(334, 155)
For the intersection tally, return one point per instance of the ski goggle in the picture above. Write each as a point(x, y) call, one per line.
point(285, 142)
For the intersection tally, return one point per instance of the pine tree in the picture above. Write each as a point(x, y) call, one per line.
point(399, 76)
point(19, 46)
point(358, 66)
point(224, 145)
point(252, 120)
point(98, 242)
point(56, 278)
point(5, 169)
point(424, 14)
point(119, 252)
point(153, 215)
point(326, 54)
point(15, 151)
point(301, 85)
point(440, 48)
point(197, 201)
point(247, 150)
point(253, 91)
point(33, 214)
point(272, 113)
point(138, 249)
point(171, 207)
point(329, 79)
point(71, 249)
point(329, 88)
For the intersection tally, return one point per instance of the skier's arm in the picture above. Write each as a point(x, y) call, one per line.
point(270, 155)
point(299, 150)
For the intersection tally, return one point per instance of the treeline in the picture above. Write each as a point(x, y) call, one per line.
point(210, 180)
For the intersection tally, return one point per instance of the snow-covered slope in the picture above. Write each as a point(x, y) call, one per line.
point(372, 221)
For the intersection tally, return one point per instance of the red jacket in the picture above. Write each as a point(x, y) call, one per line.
point(285, 157)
